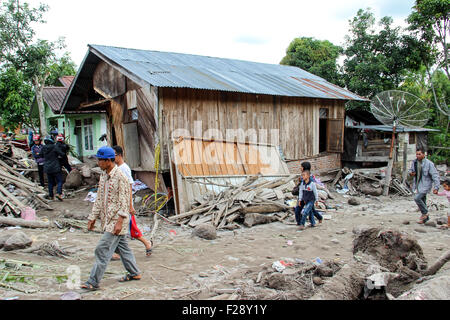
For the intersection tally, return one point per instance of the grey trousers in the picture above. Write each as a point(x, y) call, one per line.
point(421, 200)
point(108, 244)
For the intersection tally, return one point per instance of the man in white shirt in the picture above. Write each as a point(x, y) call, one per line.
point(134, 230)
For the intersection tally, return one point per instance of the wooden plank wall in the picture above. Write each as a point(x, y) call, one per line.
point(296, 118)
point(126, 94)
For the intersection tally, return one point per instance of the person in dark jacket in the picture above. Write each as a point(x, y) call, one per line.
point(306, 166)
point(52, 167)
point(36, 150)
point(64, 161)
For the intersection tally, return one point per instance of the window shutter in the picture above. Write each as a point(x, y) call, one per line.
point(131, 144)
point(335, 139)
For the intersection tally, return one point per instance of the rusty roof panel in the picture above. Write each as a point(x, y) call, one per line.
point(54, 97)
point(165, 69)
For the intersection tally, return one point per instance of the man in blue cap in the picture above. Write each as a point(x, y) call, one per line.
point(112, 206)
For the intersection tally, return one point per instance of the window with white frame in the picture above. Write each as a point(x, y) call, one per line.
point(88, 134)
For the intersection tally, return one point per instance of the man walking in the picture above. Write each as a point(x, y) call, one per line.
point(134, 230)
point(52, 167)
point(112, 207)
point(425, 175)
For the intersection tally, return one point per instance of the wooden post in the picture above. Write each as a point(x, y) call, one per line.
point(387, 179)
point(405, 160)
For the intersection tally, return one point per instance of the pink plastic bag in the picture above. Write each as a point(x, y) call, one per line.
point(28, 214)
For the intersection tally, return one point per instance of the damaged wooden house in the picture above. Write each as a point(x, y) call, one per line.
point(213, 121)
point(367, 142)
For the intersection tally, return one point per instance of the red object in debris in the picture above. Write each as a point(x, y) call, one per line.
point(286, 264)
point(22, 144)
point(173, 232)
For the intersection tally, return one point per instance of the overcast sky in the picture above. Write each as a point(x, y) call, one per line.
point(239, 29)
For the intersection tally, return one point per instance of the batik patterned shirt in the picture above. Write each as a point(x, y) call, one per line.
point(113, 201)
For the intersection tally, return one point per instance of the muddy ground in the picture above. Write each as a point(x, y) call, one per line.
point(186, 267)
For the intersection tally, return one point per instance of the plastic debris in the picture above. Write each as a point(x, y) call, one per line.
point(138, 185)
point(71, 296)
point(91, 196)
point(278, 266)
point(317, 261)
point(28, 213)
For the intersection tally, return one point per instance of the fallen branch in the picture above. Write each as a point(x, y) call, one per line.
point(24, 223)
point(438, 264)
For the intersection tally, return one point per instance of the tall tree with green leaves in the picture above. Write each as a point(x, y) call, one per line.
point(430, 21)
point(315, 56)
point(377, 60)
point(16, 32)
point(15, 97)
point(38, 61)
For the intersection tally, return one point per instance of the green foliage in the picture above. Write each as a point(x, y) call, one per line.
point(377, 60)
point(315, 56)
point(16, 96)
point(23, 59)
point(430, 22)
point(16, 31)
point(64, 66)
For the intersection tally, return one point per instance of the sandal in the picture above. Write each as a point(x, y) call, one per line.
point(128, 277)
point(148, 252)
point(424, 220)
point(89, 287)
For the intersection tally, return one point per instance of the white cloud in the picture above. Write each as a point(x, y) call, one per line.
point(247, 30)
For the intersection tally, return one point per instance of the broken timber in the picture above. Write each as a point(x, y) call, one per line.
point(255, 194)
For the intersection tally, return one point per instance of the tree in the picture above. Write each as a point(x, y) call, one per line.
point(315, 56)
point(64, 66)
point(15, 27)
point(377, 61)
point(37, 61)
point(430, 21)
point(15, 97)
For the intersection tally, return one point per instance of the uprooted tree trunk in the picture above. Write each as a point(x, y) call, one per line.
point(377, 252)
point(24, 223)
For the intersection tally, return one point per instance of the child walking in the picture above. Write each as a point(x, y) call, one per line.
point(308, 194)
point(446, 192)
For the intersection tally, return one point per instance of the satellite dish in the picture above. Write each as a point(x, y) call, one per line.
point(395, 107)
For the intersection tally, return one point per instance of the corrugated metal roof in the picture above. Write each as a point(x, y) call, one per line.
point(66, 80)
point(165, 69)
point(389, 128)
point(54, 97)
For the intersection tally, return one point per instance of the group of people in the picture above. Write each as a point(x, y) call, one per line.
point(114, 208)
point(51, 157)
point(422, 170)
point(307, 198)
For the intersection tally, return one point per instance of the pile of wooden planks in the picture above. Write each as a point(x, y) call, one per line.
point(366, 181)
point(17, 192)
point(255, 195)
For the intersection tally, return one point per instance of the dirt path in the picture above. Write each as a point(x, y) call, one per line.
point(185, 267)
